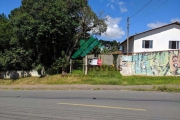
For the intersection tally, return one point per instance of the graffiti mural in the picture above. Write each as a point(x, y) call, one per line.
point(154, 63)
point(175, 62)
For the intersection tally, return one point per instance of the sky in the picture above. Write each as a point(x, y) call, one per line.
point(143, 15)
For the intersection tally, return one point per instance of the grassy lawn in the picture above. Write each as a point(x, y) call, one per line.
point(104, 77)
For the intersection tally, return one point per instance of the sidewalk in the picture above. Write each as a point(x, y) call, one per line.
point(82, 87)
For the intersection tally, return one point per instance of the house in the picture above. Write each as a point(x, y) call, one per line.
point(163, 38)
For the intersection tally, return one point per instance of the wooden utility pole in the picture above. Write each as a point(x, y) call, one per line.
point(127, 35)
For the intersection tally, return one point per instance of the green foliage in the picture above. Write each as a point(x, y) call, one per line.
point(114, 46)
point(61, 63)
point(38, 68)
point(16, 59)
point(77, 65)
point(5, 33)
point(40, 30)
point(78, 72)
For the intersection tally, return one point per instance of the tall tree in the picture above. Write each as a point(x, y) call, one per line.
point(46, 28)
point(5, 32)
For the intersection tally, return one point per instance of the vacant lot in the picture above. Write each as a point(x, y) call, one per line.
point(94, 78)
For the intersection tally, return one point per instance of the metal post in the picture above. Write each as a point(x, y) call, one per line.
point(127, 35)
point(86, 69)
point(70, 65)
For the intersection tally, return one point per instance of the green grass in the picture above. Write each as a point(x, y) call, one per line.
point(94, 77)
point(150, 80)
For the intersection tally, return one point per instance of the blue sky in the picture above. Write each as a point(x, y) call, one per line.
point(155, 14)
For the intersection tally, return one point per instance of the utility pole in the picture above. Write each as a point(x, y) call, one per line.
point(127, 35)
point(86, 65)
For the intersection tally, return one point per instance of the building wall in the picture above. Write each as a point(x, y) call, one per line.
point(131, 45)
point(160, 37)
point(161, 63)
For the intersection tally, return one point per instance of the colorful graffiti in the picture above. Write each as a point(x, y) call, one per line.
point(154, 63)
point(175, 63)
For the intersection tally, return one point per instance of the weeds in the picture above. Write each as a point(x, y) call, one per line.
point(101, 77)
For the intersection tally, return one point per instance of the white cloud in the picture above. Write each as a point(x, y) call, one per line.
point(113, 29)
point(121, 5)
point(155, 25)
point(175, 20)
point(123, 9)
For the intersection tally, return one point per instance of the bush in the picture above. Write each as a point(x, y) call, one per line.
point(51, 71)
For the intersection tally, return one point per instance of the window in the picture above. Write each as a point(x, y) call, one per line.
point(122, 48)
point(174, 44)
point(147, 44)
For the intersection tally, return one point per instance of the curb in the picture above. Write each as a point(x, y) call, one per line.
point(83, 87)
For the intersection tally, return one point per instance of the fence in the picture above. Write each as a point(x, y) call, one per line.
point(17, 74)
point(111, 59)
point(161, 63)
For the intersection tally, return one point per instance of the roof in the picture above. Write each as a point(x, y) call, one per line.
point(177, 23)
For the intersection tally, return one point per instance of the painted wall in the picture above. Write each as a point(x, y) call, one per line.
point(162, 63)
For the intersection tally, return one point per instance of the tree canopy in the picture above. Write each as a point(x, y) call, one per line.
point(39, 31)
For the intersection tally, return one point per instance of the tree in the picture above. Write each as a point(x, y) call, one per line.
point(61, 63)
point(109, 46)
point(12, 56)
point(48, 27)
point(5, 33)
point(16, 59)
point(89, 22)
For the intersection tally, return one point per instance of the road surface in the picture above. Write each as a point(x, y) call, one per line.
point(88, 105)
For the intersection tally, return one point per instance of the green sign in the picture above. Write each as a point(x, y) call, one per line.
point(86, 47)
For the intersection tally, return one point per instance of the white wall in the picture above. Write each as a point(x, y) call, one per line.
point(17, 74)
point(160, 37)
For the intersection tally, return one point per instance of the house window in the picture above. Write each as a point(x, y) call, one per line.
point(174, 44)
point(147, 44)
point(122, 48)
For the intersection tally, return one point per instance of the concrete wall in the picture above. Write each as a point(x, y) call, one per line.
point(108, 59)
point(162, 63)
point(17, 74)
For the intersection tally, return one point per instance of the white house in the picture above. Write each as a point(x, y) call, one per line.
point(163, 38)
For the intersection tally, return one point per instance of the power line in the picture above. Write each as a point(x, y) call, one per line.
point(140, 9)
point(151, 11)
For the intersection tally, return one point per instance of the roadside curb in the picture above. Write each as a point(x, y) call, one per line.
point(83, 87)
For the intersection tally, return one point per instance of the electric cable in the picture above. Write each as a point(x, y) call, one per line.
point(151, 11)
point(140, 9)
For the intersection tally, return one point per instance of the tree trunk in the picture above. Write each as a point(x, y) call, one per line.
point(72, 48)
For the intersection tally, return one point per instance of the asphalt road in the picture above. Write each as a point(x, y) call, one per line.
point(88, 105)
